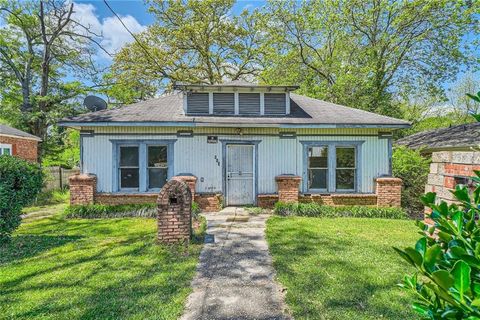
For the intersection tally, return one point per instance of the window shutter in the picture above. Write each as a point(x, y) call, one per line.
point(223, 103)
point(249, 103)
point(275, 104)
point(197, 103)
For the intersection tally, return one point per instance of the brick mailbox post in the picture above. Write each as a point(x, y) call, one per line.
point(174, 212)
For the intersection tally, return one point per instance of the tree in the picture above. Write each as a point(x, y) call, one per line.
point(463, 105)
point(190, 41)
point(41, 44)
point(362, 53)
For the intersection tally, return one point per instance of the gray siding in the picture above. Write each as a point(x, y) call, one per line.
point(197, 103)
point(275, 103)
point(223, 103)
point(194, 155)
point(249, 103)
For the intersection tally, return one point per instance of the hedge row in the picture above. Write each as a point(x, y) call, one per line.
point(95, 211)
point(316, 210)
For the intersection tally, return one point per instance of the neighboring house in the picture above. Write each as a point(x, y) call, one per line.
point(455, 153)
point(18, 143)
point(245, 144)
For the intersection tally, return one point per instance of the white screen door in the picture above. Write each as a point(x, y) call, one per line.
point(240, 174)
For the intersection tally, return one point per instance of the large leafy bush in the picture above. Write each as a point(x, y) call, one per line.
point(413, 169)
point(446, 283)
point(313, 209)
point(20, 182)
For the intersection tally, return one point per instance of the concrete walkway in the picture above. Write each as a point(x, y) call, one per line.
point(235, 277)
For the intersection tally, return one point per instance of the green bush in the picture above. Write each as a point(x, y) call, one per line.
point(446, 283)
point(20, 182)
point(95, 211)
point(413, 169)
point(313, 209)
point(52, 197)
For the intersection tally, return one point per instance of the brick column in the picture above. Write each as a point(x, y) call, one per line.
point(190, 180)
point(82, 189)
point(389, 191)
point(288, 186)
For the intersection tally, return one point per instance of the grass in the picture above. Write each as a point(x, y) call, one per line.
point(342, 268)
point(57, 268)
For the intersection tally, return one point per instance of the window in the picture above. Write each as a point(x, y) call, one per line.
point(157, 166)
point(249, 103)
point(318, 168)
point(197, 103)
point(223, 103)
point(129, 167)
point(275, 103)
point(5, 149)
point(345, 168)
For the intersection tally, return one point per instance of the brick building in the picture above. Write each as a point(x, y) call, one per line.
point(18, 143)
point(455, 154)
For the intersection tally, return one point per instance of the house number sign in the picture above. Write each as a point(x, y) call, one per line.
point(212, 139)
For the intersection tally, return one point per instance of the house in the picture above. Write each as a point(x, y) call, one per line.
point(455, 154)
point(18, 143)
point(236, 143)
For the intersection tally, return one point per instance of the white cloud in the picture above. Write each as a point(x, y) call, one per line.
point(113, 35)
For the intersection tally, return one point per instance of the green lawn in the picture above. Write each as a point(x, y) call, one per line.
point(93, 269)
point(342, 268)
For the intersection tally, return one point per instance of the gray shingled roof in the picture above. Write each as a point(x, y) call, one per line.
point(463, 136)
point(9, 131)
point(305, 111)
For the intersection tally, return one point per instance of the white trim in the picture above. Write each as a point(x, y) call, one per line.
point(210, 103)
point(185, 103)
point(6, 146)
point(262, 103)
point(19, 137)
point(287, 103)
point(236, 103)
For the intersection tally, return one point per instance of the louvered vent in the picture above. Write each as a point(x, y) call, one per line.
point(223, 103)
point(275, 103)
point(249, 103)
point(197, 103)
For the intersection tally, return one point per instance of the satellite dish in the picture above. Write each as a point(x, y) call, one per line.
point(94, 103)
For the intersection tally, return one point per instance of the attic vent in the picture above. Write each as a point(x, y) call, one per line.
point(223, 103)
point(249, 103)
point(275, 104)
point(197, 103)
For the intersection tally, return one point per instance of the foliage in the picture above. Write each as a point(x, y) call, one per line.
point(64, 149)
point(106, 268)
point(410, 166)
point(52, 197)
point(313, 209)
point(20, 182)
point(364, 53)
point(195, 211)
point(446, 283)
point(190, 41)
point(256, 210)
point(95, 211)
point(341, 268)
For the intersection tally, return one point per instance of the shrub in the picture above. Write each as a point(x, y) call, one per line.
point(313, 209)
point(413, 169)
point(52, 197)
point(446, 283)
point(95, 211)
point(20, 182)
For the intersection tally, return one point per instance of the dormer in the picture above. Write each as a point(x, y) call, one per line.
point(236, 98)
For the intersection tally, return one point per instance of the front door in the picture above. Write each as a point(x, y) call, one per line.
point(240, 174)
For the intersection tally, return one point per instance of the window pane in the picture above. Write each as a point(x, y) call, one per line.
point(6, 151)
point(318, 157)
point(128, 156)
point(317, 178)
point(345, 179)
point(345, 157)
point(157, 156)
point(156, 178)
point(129, 178)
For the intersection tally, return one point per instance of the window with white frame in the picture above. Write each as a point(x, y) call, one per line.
point(5, 149)
point(331, 166)
point(318, 168)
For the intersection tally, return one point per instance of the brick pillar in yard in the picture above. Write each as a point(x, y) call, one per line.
point(288, 187)
point(82, 189)
point(389, 191)
point(190, 180)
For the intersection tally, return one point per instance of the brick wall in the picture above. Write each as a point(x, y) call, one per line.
point(22, 148)
point(174, 213)
point(445, 166)
point(83, 188)
point(209, 202)
point(288, 187)
point(267, 201)
point(388, 191)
